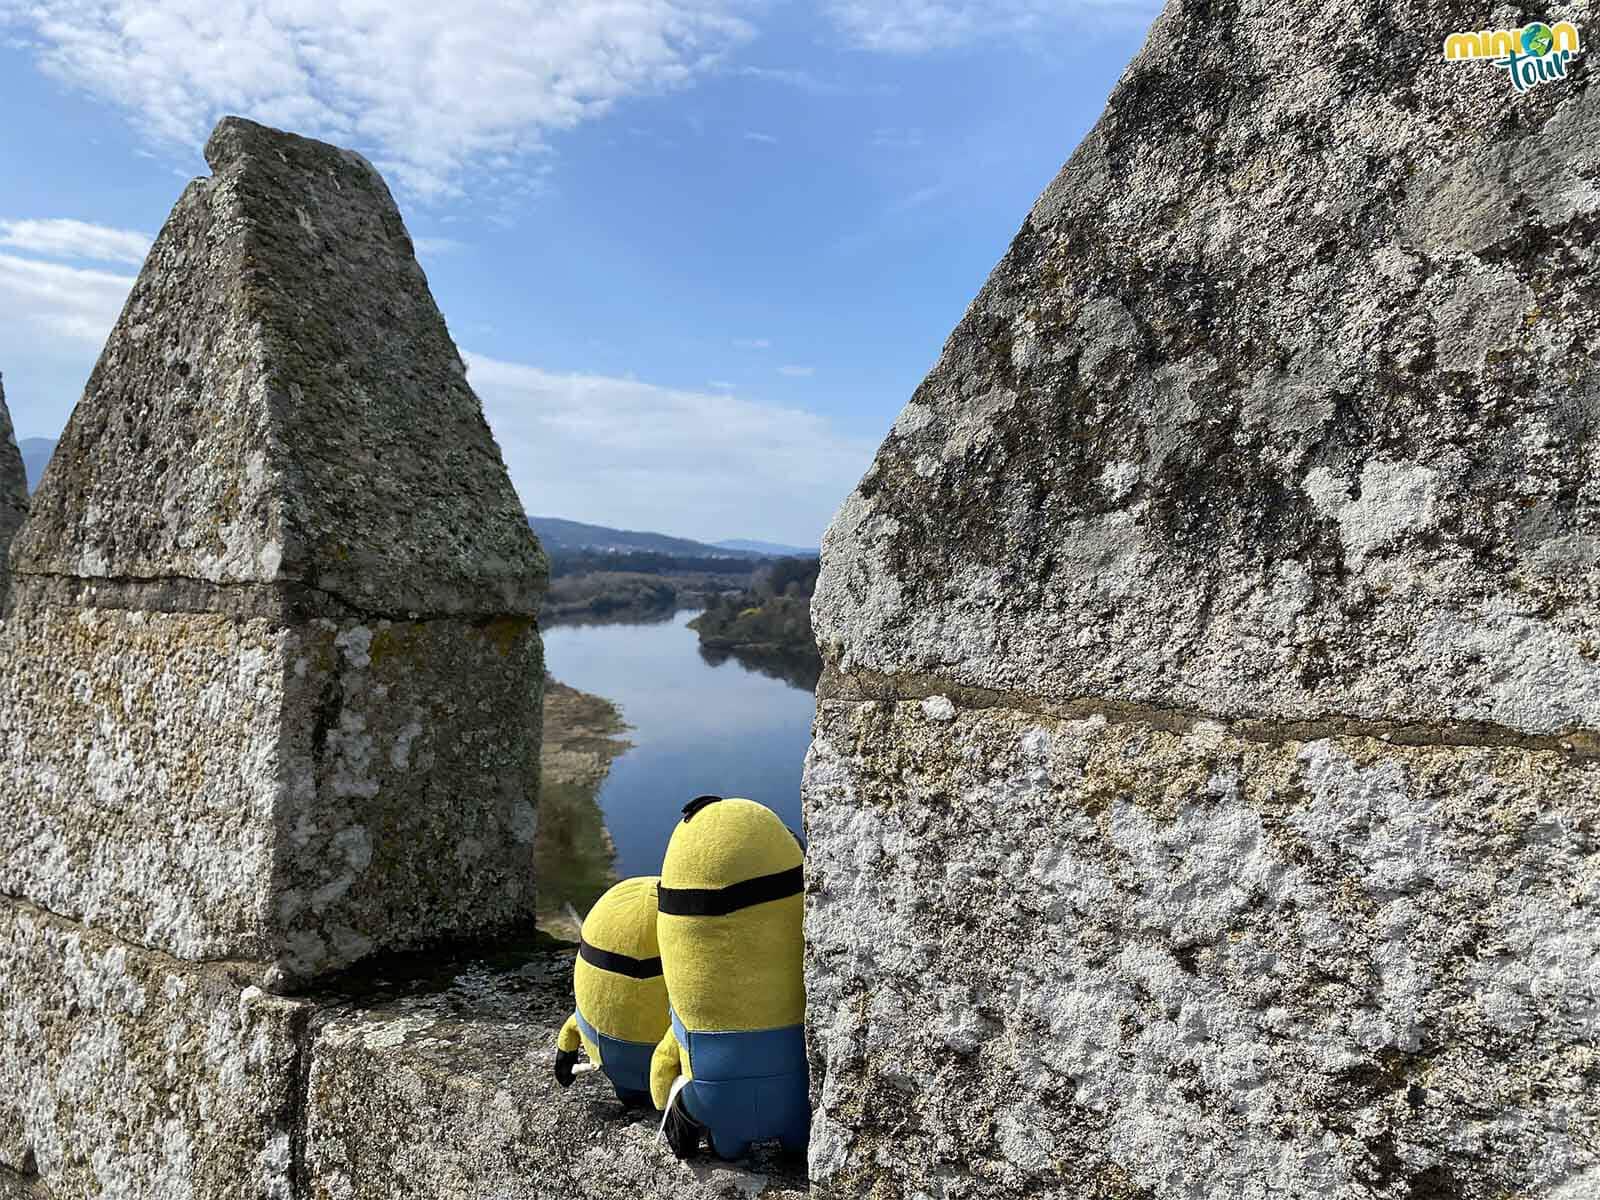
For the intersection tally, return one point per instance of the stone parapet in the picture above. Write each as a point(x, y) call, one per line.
point(448, 1092)
point(130, 1073)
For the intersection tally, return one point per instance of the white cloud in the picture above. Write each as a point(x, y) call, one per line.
point(61, 238)
point(59, 302)
point(794, 372)
point(433, 247)
point(634, 455)
point(429, 90)
point(815, 85)
point(752, 136)
point(918, 26)
point(753, 343)
point(722, 385)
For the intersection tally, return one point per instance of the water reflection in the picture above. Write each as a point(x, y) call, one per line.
point(698, 723)
point(798, 671)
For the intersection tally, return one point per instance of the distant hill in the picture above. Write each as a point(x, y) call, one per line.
point(36, 454)
point(558, 535)
point(770, 549)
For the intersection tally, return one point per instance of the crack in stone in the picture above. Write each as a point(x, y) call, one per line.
point(283, 601)
point(242, 971)
point(861, 687)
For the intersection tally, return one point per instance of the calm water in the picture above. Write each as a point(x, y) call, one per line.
point(696, 727)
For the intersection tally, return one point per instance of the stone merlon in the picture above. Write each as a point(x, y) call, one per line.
point(1207, 760)
point(270, 684)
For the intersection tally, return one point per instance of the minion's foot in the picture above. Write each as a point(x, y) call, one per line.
point(730, 1151)
point(683, 1132)
point(632, 1099)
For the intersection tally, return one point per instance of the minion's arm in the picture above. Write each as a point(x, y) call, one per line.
point(665, 1066)
point(567, 1044)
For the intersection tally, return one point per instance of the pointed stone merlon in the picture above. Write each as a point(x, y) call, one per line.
point(1204, 786)
point(13, 494)
point(272, 679)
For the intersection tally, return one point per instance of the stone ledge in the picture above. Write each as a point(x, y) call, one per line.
point(444, 1089)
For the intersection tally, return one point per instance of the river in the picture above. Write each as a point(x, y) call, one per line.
point(697, 722)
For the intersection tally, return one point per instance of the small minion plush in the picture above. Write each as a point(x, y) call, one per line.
point(621, 995)
point(733, 1064)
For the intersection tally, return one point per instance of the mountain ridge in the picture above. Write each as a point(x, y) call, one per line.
point(559, 533)
point(36, 452)
point(555, 533)
point(769, 549)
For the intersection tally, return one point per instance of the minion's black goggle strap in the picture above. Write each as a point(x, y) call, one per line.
point(619, 964)
point(719, 902)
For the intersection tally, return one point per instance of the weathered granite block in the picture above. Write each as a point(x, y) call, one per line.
point(450, 1093)
point(128, 1073)
point(1281, 402)
point(13, 494)
point(271, 687)
point(1080, 958)
point(293, 795)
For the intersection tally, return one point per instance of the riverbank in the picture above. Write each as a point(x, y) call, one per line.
point(574, 856)
point(601, 597)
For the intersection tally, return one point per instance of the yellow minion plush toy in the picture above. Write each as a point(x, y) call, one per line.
point(733, 1064)
point(621, 995)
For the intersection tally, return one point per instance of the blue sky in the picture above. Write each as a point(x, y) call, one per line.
point(698, 253)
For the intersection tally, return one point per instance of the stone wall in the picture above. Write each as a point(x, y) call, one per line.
point(269, 685)
point(1203, 794)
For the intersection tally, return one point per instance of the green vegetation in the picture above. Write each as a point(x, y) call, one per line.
point(574, 857)
point(646, 562)
point(772, 616)
point(588, 586)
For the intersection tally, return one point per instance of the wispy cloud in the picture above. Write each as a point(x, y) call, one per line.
point(919, 26)
point(429, 90)
point(631, 454)
point(74, 304)
point(433, 247)
point(752, 136)
point(812, 84)
point(795, 372)
point(753, 343)
point(58, 237)
point(722, 385)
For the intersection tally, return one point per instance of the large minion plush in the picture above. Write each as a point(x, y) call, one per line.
point(621, 995)
point(733, 1064)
